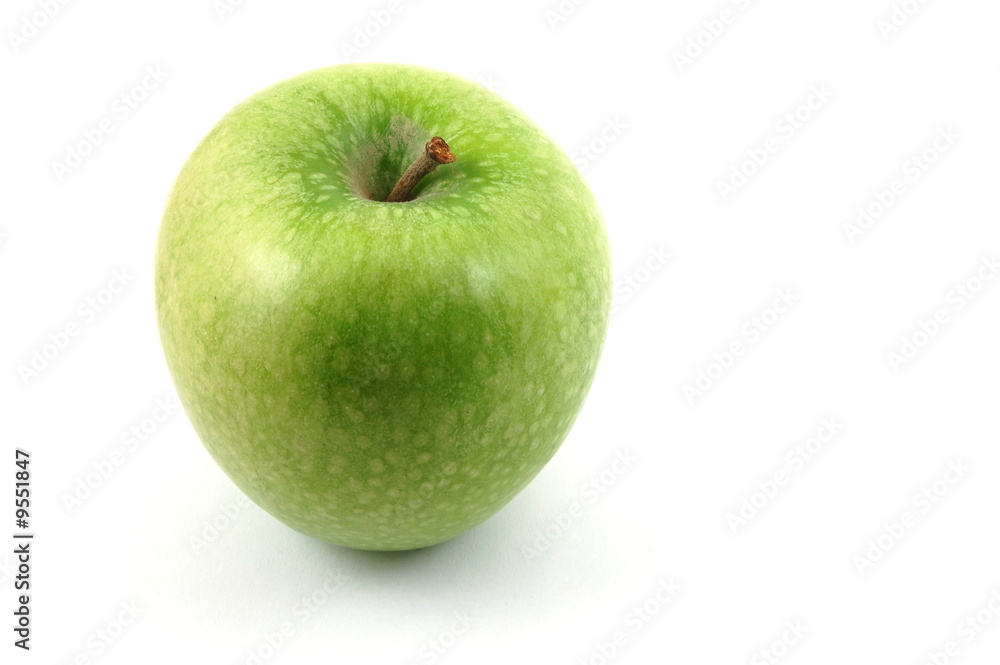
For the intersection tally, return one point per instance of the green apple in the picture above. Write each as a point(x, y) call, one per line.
point(381, 374)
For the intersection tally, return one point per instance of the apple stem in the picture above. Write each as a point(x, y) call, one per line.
point(436, 152)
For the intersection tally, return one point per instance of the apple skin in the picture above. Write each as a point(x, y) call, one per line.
point(383, 376)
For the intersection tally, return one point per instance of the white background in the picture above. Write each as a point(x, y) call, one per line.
point(661, 136)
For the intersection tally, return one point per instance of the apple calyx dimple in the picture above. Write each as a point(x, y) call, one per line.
point(436, 152)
